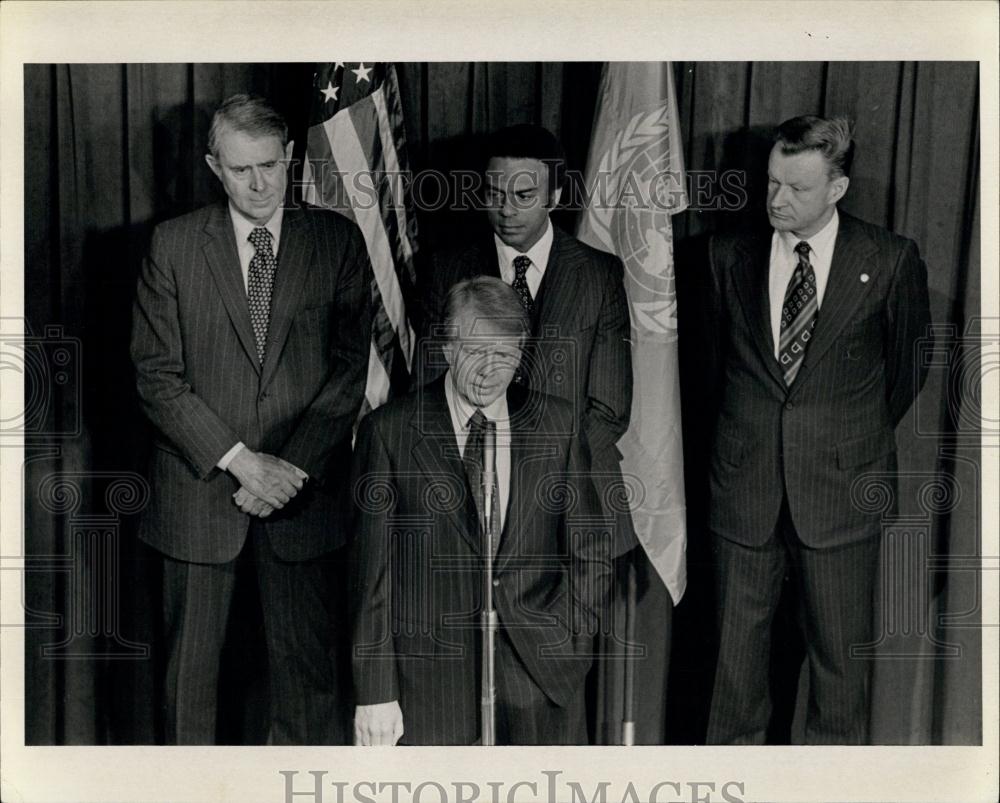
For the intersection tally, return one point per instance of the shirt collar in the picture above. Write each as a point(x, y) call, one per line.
point(242, 227)
point(821, 243)
point(462, 411)
point(538, 253)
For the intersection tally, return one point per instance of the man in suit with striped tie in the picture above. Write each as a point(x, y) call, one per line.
point(817, 324)
point(250, 339)
point(574, 295)
point(421, 487)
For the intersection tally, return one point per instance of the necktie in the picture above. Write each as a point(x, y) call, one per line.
point(260, 283)
point(520, 283)
point(798, 315)
point(480, 452)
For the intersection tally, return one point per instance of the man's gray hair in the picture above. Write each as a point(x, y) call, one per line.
point(486, 298)
point(249, 114)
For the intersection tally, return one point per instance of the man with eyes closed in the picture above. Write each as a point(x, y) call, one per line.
point(250, 340)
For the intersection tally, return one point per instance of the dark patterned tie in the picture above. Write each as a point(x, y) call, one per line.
point(482, 442)
point(798, 315)
point(260, 283)
point(520, 283)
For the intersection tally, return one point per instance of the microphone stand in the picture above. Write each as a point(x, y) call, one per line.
point(628, 715)
point(488, 689)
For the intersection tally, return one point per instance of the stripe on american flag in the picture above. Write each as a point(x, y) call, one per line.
point(321, 178)
point(360, 141)
point(390, 134)
point(371, 139)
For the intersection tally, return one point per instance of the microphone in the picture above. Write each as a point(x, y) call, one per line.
point(489, 477)
point(488, 689)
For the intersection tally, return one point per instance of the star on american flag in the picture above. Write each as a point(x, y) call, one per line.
point(361, 72)
point(330, 93)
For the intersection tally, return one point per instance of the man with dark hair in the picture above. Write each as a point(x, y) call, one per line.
point(574, 296)
point(420, 485)
point(815, 360)
point(831, 138)
point(533, 142)
point(250, 340)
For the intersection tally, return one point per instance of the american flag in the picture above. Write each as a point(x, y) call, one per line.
point(356, 163)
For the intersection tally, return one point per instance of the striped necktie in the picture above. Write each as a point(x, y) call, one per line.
point(798, 315)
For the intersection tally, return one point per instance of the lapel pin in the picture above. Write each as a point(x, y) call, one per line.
point(864, 278)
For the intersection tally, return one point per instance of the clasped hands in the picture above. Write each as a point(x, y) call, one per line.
point(267, 483)
point(378, 724)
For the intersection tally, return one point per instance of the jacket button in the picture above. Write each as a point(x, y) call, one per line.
point(262, 397)
point(496, 582)
point(789, 405)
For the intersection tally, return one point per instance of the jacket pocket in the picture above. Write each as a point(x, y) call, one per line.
point(729, 449)
point(865, 449)
point(414, 640)
point(163, 446)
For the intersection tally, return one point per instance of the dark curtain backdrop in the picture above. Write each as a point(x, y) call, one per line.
point(113, 149)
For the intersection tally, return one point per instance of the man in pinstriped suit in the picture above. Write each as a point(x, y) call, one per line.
point(250, 338)
point(580, 347)
point(817, 324)
point(419, 553)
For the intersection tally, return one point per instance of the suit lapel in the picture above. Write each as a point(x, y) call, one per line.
point(294, 252)
point(750, 278)
point(844, 290)
point(224, 263)
point(436, 450)
point(491, 260)
point(523, 420)
point(557, 290)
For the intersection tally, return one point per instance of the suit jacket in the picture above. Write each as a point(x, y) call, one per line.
point(580, 351)
point(418, 561)
point(814, 440)
point(202, 385)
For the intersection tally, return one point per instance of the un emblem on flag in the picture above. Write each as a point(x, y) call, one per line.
point(639, 185)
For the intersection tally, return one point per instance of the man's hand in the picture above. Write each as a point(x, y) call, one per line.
point(249, 503)
point(379, 724)
point(267, 477)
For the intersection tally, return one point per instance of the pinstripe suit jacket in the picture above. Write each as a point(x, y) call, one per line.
point(581, 349)
point(418, 561)
point(202, 385)
point(837, 420)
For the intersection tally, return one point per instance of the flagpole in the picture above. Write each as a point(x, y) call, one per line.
point(628, 658)
point(635, 165)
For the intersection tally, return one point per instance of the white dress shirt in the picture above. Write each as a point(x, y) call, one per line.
point(461, 411)
point(782, 266)
point(242, 228)
point(538, 254)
